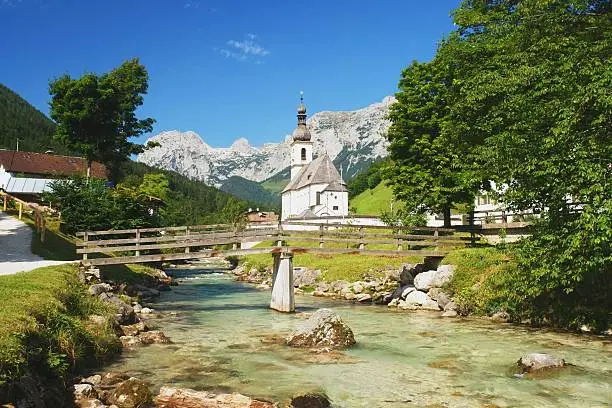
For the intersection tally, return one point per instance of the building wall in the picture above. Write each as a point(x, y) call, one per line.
point(333, 203)
point(296, 156)
point(295, 202)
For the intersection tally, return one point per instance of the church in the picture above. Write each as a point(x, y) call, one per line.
point(316, 188)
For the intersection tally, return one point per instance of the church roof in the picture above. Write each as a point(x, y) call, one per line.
point(320, 171)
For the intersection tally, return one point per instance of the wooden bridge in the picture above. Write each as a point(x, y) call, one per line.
point(195, 242)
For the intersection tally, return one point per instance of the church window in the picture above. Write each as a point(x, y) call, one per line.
point(303, 153)
point(335, 208)
point(318, 198)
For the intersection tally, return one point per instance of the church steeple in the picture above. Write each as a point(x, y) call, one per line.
point(301, 132)
point(301, 146)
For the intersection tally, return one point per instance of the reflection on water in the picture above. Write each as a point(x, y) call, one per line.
point(226, 339)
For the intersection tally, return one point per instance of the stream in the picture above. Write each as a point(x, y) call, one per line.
point(226, 339)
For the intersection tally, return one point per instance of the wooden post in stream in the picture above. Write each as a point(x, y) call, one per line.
point(283, 297)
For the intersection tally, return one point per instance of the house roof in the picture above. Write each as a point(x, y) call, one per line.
point(48, 164)
point(319, 171)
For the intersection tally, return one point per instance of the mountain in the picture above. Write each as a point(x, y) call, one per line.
point(352, 139)
point(251, 191)
point(20, 120)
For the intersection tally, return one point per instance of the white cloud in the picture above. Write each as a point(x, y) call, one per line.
point(246, 49)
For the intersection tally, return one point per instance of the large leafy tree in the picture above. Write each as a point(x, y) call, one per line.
point(429, 170)
point(96, 114)
point(532, 95)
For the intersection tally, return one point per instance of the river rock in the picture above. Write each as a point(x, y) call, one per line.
point(357, 287)
point(154, 336)
point(90, 403)
point(99, 288)
point(443, 275)
point(450, 313)
point(323, 287)
point(420, 300)
point(500, 317)
point(310, 401)
point(186, 398)
point(93, 380)
point(82, 391)
point(439, 296)
point(451, 306)
point(423, 281)
point(305, 277)
point(134, 329)
point(539, 361)
point(125, 313)
point(406, 291)
point(137, 308)
point(146, 310)
point(340, 286)
point(406, 275)
point(131, 393)
point(364, 297)
point(350, 296)
point(324, 328)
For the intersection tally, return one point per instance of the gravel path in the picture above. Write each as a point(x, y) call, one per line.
point(15, 247)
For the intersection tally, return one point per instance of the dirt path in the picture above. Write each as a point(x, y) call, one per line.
point(16, 249)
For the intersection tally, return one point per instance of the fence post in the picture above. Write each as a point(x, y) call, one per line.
point(85, 239)
point(321, 233)
point(5, 201)
point(42, 228)
point(472, 229)
point(187, 237)
point(20, 209)
point(137, 242)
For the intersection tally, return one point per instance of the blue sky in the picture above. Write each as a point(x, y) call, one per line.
point(225, 68)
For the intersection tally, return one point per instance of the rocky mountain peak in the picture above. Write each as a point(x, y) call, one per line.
point(352, 139)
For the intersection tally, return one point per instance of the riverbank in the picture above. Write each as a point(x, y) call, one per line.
point(59, 321)
point(476, 283)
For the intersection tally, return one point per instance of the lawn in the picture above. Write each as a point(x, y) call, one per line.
point(373, 201)
point(348, 267)
point(44, 324)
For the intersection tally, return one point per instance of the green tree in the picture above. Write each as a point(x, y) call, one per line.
point(531, 94)
point(234, 213)
point(96, 114)
point(155, 185)
point(429, 169)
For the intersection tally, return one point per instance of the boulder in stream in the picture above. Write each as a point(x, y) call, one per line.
point(539, 361)
point(131, 393)
point(310, 401)
point(324, 328)
point(186, 398)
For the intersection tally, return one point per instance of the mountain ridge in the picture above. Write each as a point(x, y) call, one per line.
point(353, 139)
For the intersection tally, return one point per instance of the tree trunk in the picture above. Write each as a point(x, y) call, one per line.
point(447, 216)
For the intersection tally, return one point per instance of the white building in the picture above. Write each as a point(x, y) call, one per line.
point(316, 188)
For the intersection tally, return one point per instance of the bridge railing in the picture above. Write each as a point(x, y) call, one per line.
point(151, 244)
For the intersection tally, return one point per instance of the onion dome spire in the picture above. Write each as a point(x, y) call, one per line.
point(301, 132)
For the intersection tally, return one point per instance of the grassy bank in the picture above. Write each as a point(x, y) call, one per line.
point(475, 282)
point(337, 266)
point(44, 325)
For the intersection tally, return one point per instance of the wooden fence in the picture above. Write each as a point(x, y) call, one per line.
point(191, 242)
point(32, 211)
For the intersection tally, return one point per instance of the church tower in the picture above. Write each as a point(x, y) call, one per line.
point(301, 146)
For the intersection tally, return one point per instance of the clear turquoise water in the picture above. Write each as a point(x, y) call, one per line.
point(226, 339)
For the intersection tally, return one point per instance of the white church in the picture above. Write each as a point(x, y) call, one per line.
point(316, 188)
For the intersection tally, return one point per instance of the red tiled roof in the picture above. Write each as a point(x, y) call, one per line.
point(48, 164)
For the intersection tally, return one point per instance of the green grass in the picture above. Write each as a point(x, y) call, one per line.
point(477, 270)
point(130, 273)
point(44, 325)
point(347, 267)
point(275, 186)
point(373, 201)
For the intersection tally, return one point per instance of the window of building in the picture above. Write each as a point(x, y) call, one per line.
point(335, 208)
point(303, 153)
point(318, 198)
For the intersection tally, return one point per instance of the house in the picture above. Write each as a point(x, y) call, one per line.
point(316, 188)
point(256, 216)
point(29, 174)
